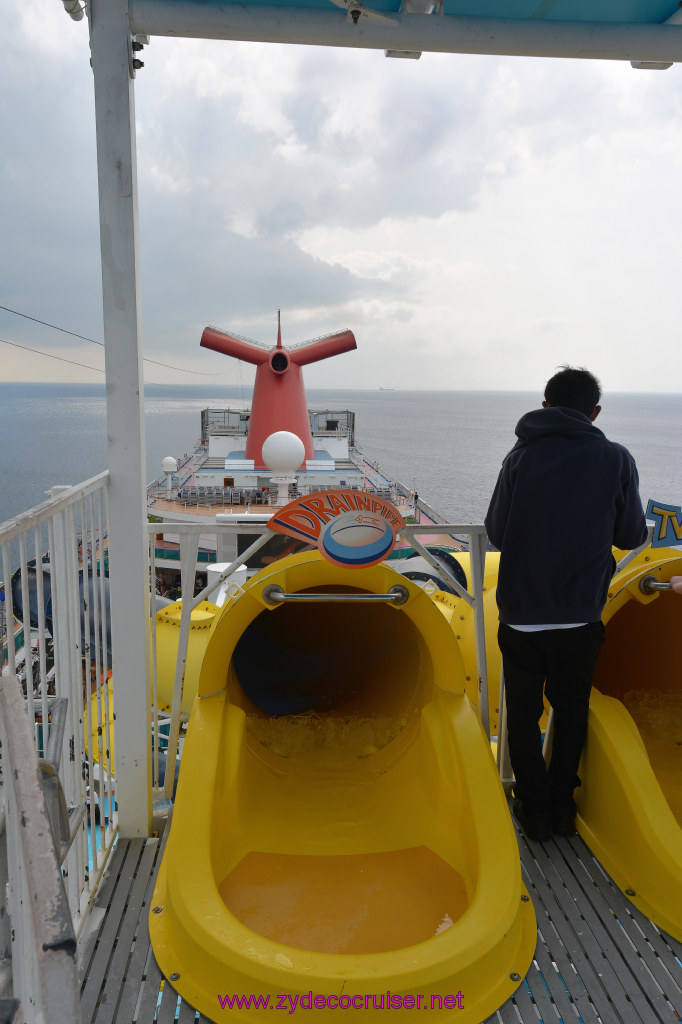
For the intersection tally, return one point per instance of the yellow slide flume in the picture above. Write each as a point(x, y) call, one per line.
point(630, 803)
point(630, 800)
point(339, 831)
point(167, 630)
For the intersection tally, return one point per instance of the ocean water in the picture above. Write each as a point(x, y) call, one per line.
point(447, 445)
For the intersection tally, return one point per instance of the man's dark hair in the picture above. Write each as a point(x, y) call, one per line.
point(575, 388)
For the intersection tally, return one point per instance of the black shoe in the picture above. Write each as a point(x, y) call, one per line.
point(563, 821)
point(535, 825)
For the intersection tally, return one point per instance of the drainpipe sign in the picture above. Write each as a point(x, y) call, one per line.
point(667, 523)
point(349, 528)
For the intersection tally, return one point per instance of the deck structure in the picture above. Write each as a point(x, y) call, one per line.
point(597, 960)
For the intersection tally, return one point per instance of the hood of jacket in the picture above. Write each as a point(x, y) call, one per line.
point(556, 419)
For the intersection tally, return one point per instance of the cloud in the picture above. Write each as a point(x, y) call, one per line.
point(334, 141)
point(476, 220)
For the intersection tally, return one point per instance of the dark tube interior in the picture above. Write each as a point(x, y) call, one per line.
point(643, 648)
point(332, 658)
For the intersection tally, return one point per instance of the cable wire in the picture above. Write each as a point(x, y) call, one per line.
point(93, 341)
point(87, 366)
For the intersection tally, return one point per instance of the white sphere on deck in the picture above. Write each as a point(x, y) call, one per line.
point(283, 452)
point(169, 464)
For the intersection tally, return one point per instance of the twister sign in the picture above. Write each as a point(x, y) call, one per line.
point(350, 528)
point(668, 523)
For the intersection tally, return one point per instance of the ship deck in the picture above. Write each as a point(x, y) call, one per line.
point(597, 959)
point(192, 495)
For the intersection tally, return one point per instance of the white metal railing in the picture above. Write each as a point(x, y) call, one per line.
point(478, 542)
point(55, 638)
point(224, 537)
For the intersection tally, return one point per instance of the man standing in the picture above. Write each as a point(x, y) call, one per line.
point(565, 495)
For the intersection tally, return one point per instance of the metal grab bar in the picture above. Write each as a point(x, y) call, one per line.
point(649, 585)
point(275, 595)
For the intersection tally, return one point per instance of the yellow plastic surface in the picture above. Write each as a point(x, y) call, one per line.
point(630, 802)
point(92, 741)
point(360, 847)
point(167, 636)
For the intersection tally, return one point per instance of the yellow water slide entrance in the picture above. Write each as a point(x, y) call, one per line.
point(340, 834)
point(630, 803)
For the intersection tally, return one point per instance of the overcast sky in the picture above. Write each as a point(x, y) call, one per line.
point(476, 221)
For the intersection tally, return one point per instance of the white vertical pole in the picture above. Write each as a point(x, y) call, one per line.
point(477, 546)
point(189, 545)
point(116, 163)
point(503, 759)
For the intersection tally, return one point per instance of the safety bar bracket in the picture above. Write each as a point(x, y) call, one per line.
point(274, 595)
point(649, 585)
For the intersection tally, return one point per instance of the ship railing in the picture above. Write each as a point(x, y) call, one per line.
point(54, 567)
point(423, 506)
point(313, 341)
point(477, 539)
point(225, 537)
point(37, 936)
point(193, 496)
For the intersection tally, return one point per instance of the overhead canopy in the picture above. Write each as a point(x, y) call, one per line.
point(646, 32)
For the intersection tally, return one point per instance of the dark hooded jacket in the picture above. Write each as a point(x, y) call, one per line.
point(565, 495)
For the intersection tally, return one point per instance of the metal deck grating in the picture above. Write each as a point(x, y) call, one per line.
point(597, 960)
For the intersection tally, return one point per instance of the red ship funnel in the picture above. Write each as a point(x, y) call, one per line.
point(279, 400)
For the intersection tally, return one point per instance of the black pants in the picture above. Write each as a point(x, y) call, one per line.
point(560, 661)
